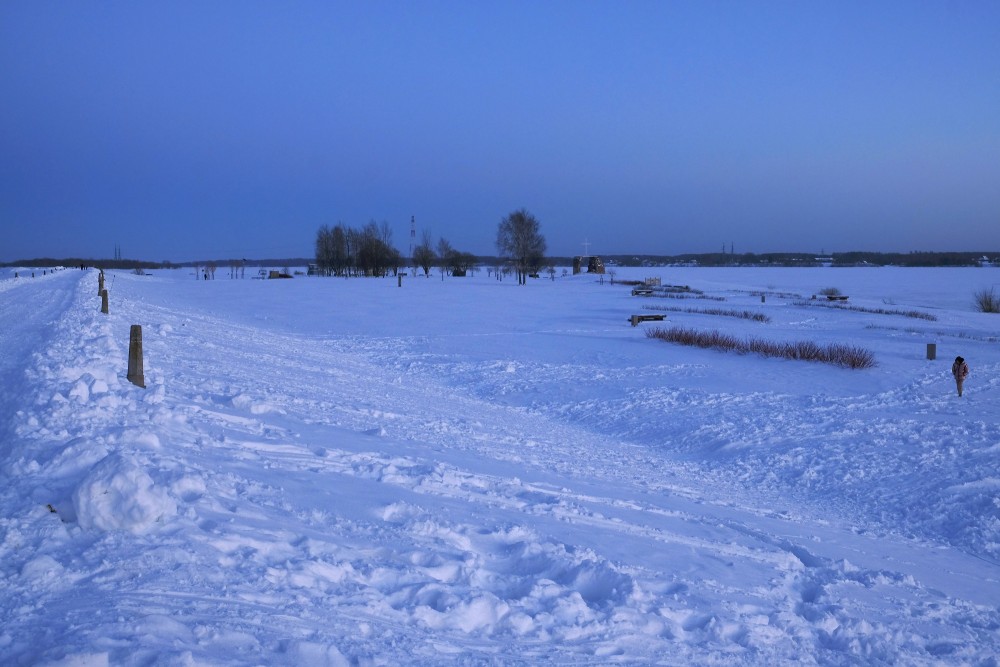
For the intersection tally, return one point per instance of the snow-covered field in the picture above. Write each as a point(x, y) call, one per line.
point(465, 471)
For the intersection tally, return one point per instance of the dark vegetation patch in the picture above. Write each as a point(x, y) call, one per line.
point(771, 293)
point(846, 356)
point(671, 291)
point(724, 312)
point(682, 292)
point(937, 334)
point(920, 315)
point(987, 301)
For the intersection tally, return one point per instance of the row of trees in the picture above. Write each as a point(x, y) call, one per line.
point(343, 251)
point(448, 259)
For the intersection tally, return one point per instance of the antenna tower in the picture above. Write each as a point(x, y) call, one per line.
point(413, 235)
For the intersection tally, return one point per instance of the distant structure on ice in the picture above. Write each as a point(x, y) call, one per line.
point(594, 264)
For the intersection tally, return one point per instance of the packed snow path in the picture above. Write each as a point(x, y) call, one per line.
point(522, 483)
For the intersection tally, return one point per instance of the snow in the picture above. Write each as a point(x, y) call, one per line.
point(465, 471)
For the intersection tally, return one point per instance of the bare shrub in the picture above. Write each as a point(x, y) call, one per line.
point(806, 350)
point(845, 356)
point(850, 356)
point(987, 301)
point(830, 291)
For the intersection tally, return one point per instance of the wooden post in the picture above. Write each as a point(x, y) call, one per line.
point(100, 283)
point(400, 278)
point(635, 320)
point(104, 301)
point(135, 357)
point(762, 298)
point(932, 351)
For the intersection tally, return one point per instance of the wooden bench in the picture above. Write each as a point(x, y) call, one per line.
point(836, 297)
point(642, 291)
point(635, 319)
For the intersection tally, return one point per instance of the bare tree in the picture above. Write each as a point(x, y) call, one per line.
point(463, 263)
point(444, 253)
point(332, 250)
point(519, 239)
point(423, 254)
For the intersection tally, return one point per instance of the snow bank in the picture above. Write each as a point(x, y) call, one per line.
point(118, 495)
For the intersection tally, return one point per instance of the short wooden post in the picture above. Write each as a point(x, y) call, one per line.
point(635, 320)
point(400, 278)
point(135, 357)
point(932, 351)
point(100, 283)
point(104, 301)
point(762, 298)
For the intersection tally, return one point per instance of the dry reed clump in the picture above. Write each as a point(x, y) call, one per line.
point(846, 356)
point(920, 315)
point(987, 301)
point(724, 312)
point(771, 293)
point(685, 294)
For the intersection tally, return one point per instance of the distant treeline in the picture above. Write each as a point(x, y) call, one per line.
point(703, 259)
point(804, 259)
point(130, 264)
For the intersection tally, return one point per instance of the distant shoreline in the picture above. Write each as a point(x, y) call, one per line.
point(914, 259)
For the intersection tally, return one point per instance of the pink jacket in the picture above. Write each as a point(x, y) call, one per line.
point(960, 370)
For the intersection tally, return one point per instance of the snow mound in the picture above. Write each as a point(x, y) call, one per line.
point(118, 495)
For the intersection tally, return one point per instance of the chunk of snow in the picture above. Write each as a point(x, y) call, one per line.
point(118, 495)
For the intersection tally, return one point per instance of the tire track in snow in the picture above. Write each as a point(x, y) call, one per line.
point(28, 306)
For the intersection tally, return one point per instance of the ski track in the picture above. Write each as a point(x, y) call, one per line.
point(376, 560)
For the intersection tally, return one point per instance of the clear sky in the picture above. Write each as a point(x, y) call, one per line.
point(190, 130)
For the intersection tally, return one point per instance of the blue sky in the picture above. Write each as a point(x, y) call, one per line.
point(187, 130)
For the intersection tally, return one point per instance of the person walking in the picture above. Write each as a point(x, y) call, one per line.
point(960, 370)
